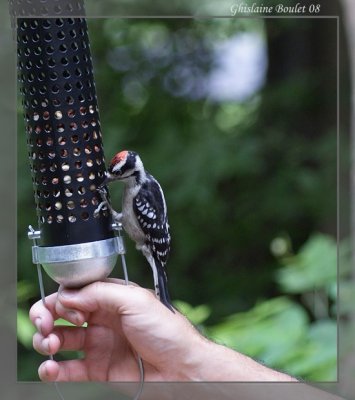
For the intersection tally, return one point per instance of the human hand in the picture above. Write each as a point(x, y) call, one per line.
point(122, 321)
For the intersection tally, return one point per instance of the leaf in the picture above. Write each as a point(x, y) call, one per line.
point(267, 331)
point(277, 332)
point(197, 315)
point(320, 358)
point(314, 267)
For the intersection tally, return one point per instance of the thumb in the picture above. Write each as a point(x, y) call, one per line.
point(112, 297)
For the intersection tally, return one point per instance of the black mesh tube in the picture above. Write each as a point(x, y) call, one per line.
point(62, 128)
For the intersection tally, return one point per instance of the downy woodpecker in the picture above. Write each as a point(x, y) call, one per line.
point(144, 215)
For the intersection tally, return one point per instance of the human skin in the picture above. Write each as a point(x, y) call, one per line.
point(123, 321)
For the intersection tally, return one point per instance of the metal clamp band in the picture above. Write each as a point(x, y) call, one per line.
point(79, 264)
point(75, 252)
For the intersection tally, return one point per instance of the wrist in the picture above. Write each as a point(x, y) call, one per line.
point(209, 361)
point(199, 359)
point(212, 362)
point(193, 358)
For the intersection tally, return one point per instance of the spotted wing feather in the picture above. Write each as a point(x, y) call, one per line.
point(150, 208)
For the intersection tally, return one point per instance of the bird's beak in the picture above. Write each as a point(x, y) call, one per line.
point(107, 180)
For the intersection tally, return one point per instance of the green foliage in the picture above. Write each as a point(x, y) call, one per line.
point(247, 330)
point(287, 335)
point(314, 267)
point(197, 315)
point(281, 332)
point(278, 332)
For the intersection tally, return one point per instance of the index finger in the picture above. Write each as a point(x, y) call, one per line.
point(43, 314)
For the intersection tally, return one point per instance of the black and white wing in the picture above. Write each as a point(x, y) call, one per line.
point(150, 209)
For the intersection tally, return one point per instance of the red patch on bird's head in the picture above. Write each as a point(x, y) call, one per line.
point(121, 156)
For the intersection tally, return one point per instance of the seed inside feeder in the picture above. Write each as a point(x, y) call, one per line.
point(80, 178)
point(65, 167)
point(72, 218)
point(58, 115)
point(67, 179)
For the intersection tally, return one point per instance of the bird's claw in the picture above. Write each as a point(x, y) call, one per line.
point(102, 205)
point(102, 190)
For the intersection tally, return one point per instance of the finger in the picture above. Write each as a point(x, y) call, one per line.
point(43, 315)
point(63, 338)
point(76, 317)
point(112, 297)
point(70, 371)
point(46, 345)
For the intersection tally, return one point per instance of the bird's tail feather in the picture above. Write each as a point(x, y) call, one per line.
point(163, 287)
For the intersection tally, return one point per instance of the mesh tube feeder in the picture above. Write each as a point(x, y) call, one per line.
point(74, 244)
point(65, 150)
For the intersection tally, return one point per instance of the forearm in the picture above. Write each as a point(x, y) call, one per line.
point(213, 362)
